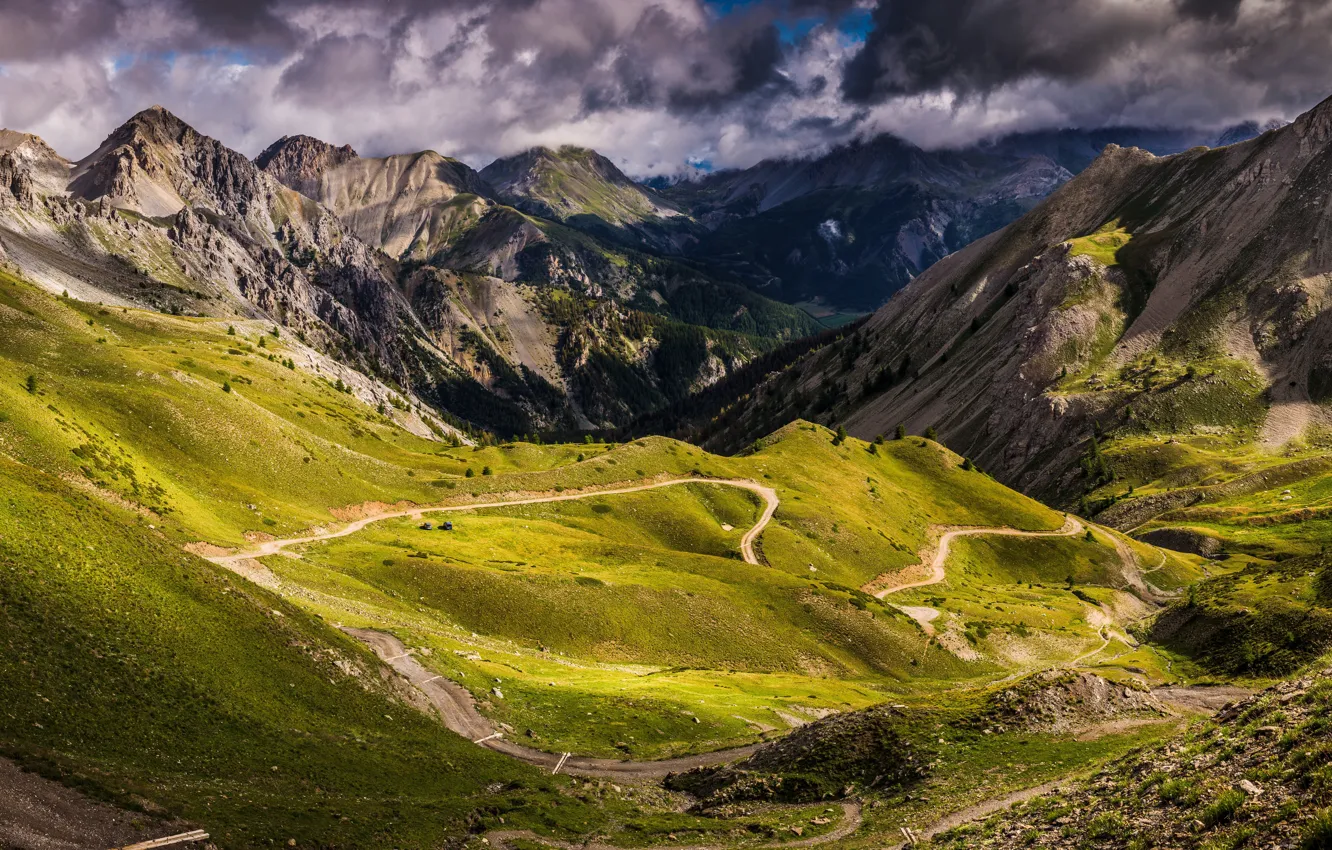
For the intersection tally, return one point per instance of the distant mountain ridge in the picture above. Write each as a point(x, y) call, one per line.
point(584, 189)
point(853, 226)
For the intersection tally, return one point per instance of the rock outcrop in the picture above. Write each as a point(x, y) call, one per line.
point(300, 161)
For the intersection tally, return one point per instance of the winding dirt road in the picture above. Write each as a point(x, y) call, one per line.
point(884, 586)
point(767, 494)
point(458, 710)
point(455, 703)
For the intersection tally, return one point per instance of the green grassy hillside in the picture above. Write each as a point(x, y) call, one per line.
point(137, 672)
point(619, 625)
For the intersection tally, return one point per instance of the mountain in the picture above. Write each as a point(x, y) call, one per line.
point(848, 229)
point(299, 161)
point(163, 217)
point(407, 206)
point(535, 309)
point(405, 268)
point(584, 189)
point(1149, 295)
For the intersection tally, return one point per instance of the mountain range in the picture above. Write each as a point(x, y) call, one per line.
point(411, 268)
point(548, 291)
point(1149, 294)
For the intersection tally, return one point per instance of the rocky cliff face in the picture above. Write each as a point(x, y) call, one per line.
point(1151, 294)
point(529, 307)
point(300, 161)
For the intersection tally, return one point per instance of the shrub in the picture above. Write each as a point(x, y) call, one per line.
point(900, 433)
point(469, 473)
point(231, 330)
point(1105, 825)
point(1318, 833)
point(931, 434)
point(967, 464)
point(1223, 808)
point(226, 387)
point(486, 471)
point(31, 385)
point(1176, 791)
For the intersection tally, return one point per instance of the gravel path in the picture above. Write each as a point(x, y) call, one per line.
point(274, 547)
point(885, 584)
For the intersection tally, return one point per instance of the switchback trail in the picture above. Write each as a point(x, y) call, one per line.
point(985, 809)
point(884, 584)
point(455, 703)
point(767, 494)
point(458, 710)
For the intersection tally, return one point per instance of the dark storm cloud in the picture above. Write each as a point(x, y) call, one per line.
point(974, 46)
point(971, 48)
point(1212, 10)
point(339, 66)
point(32, 29)
point(664, 59)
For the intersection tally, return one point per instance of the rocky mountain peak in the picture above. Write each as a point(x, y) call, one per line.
point(156, 164)
point(300, 161)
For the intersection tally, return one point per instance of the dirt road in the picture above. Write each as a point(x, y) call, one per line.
point(885, 585)
point(985, 809)
point(767, 494)
point(39, 814)
point(458, 710)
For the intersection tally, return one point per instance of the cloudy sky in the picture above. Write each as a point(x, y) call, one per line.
point(655, 84)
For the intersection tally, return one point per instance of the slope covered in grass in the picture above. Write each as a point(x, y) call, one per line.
point(140, 673)
point(635, 610)
point(618, 625)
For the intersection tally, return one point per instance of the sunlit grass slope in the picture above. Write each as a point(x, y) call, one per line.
point(613, 624)
point(629, 624)
point(141, 673)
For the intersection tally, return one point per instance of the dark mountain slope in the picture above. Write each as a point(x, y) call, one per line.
point(850, 228)
point(1151, 294)
point(299, 161)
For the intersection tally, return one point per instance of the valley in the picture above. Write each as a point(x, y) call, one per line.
point(385, 502)
point(637, 601)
